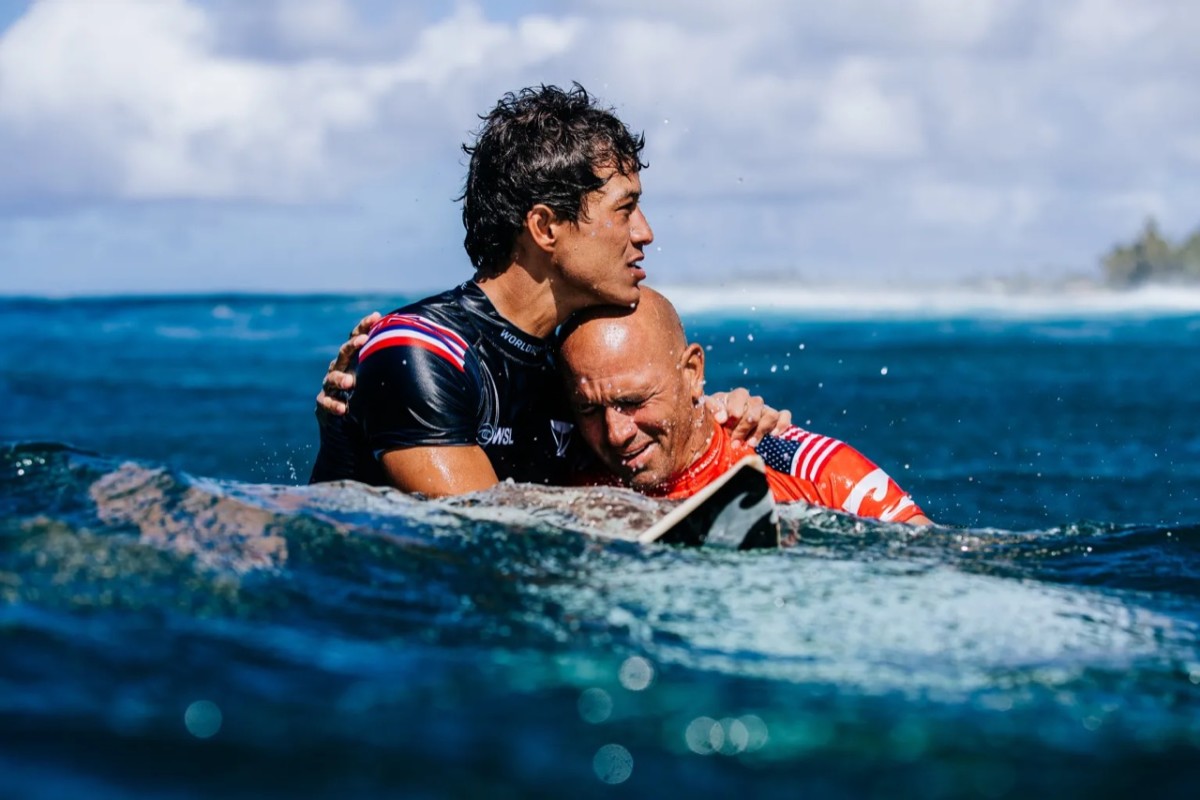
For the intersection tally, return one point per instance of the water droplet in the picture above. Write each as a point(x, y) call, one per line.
point(736, 736)
point(883, 371)
point(595, 706)
point(202, 719)
point(756, 732)
point(613, 764)
point(700, 734)
point(636, 673)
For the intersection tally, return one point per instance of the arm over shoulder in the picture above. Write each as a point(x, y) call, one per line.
point(419, 397)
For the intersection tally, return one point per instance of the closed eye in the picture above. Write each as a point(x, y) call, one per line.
point(625, 405)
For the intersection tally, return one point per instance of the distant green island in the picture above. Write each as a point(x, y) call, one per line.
point(1151, 258)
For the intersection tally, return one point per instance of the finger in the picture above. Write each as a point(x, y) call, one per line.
point(784, 422)
point(338, 383)
point(737, 401)
point(365, 324)
point(716, 406)
point(767, 423)
point(347, 352)
point(330, 405)
point(756, 410)
point(747, 423)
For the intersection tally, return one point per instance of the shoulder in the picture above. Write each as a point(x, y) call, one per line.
point(418, 379)
point(831, 473)
point(411, 329)
point(799, 453)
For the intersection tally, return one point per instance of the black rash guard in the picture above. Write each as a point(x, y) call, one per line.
point(449, 370)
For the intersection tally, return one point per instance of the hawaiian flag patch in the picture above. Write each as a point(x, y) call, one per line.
point(798, 452)
point(413, 330)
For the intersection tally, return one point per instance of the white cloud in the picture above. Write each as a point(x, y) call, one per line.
point(862, 131)
point(859, 117)
point(953, 22)
point(974, 207)
point(1093, 28)
point(140, 101)
point(317, 24)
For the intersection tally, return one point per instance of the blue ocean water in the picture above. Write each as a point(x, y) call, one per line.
point(181, 617)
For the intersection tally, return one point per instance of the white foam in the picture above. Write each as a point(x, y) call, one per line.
point(870, 302)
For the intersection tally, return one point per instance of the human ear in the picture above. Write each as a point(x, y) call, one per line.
point(691, 364)
point(540, 224)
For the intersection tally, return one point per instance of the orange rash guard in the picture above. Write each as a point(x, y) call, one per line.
point(800, 466)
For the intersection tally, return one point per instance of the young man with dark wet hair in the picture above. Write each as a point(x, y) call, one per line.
point(457, 391)
point(544, 147)
point(635, 383)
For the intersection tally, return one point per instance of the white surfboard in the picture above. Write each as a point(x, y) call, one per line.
point(734, 512)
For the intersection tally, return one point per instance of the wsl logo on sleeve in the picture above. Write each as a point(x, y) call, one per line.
point(495, 435)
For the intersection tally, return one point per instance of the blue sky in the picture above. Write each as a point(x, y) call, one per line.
point(313, 145)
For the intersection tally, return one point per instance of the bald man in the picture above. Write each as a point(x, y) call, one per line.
point(635, 385)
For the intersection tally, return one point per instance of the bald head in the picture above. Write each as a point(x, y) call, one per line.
point(635, 384)
point(652, 330)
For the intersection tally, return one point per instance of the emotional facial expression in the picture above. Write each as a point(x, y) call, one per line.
point(599, 255)
point(639, 414)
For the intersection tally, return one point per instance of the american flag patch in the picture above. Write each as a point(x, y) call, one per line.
point(798, 452)
point(413, 330)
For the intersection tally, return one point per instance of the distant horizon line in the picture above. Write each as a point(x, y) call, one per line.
point(1000, 298)
point(1017, 283)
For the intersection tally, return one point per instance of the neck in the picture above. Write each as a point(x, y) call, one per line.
point(704, 431)
point(704, 426)
point(522, 301)
point(530, 294)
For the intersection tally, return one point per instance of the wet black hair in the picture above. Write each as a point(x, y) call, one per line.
point(538, 145)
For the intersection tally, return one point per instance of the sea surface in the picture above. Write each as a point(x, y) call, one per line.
point(180, 616)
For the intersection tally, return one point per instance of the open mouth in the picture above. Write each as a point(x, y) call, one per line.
point(635, 460)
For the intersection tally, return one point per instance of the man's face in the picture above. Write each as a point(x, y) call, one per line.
point(638, 412)
point(599, 253)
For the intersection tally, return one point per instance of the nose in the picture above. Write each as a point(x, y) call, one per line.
point(639, 229)
point(619, 429)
